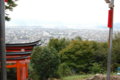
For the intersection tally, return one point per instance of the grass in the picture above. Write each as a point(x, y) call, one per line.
point(82, 77)
point(78, 77)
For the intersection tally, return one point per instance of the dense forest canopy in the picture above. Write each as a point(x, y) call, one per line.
point(71, 57)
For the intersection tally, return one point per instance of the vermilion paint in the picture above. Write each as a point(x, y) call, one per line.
point(6, 0)
point(110, 18)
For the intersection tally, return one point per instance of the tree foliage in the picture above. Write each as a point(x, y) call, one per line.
point(116, 52)
point(9, 6)
point(75, 56)
point(80, 55)
point(58, 44)
point(45, 62)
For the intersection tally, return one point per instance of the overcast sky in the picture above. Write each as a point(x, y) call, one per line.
point(62, 13)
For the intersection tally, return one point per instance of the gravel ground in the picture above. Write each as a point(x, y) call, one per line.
point(103, 77)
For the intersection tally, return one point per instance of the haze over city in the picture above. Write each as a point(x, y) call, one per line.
point(75, 14)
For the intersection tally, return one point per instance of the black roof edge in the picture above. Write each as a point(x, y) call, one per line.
point(23, 44)
point(18, 53)
point(18, 58)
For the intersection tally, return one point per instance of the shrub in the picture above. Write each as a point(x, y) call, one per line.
point(64, 70)
point(96, 68)
point(45, 62)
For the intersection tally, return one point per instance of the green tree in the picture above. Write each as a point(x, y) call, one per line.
point(80, 55)
point(116, 51)
point(100, 54)
point(64, 70)
point(58, 44)
point(68, 57)
point(45, 61)
point(78, 38)
point(9, 6)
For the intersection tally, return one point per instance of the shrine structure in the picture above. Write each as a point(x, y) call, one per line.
point(18, 56)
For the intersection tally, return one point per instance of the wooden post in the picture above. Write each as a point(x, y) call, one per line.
point(26, 68)
point(18, 71)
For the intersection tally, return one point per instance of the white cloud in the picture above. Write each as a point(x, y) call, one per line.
point(65, 12)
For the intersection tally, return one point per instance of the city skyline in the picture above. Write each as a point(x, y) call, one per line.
point(23, 35)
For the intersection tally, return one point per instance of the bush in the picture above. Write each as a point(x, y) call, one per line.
point(96, 68)
point(80, 55)
point(64, 70)
point(45, 62)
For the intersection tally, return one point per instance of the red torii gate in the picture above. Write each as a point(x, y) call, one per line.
point(18, 56)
